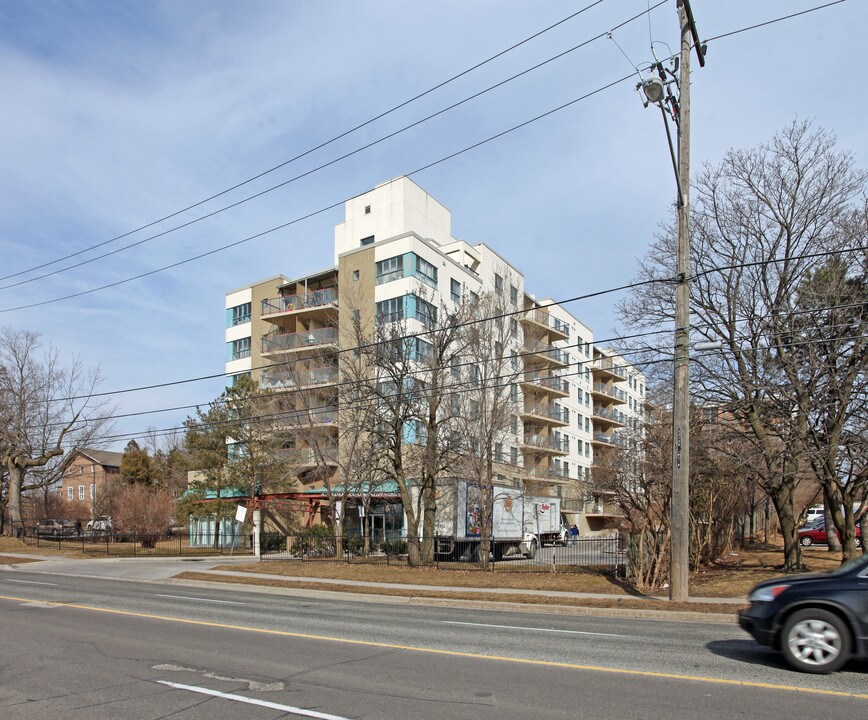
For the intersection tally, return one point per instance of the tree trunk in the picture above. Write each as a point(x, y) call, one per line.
point(428, 519)
point(833, 543)
point(16, 481)
point(782, 497)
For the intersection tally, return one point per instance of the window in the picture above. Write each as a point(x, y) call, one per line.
point(515, 425)
point(390, 269)
point(238, 315)
point(498, 349)
point(513, 455)
point(239, 349)
point(423, 350)
point(426, 313)
point(70, 493)
point(513, 392)
point(92, 488)
point(426, 272)
point(513, 327)
point(367, 241)
point(474, 297)
point(587, 424)
point(367, 209)
point(587, 449)
point(81, 492)
point(456, 290)
point(357, 315)
point(498, 452)
point(498, 283)
point(513, 294)
point(580, 395)
point(355, 274)
point(513, 362)
point(474, 375)
point(390, 310)
point(455, 366)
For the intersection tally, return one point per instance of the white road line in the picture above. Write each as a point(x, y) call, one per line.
point(253, 701)
point(198, 599)
point(29, 582)
point(535, 629)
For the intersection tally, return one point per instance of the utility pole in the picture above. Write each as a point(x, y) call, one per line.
point(679, 561)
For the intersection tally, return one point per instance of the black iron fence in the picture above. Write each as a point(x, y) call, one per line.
point(119, 544)
point(446, 553)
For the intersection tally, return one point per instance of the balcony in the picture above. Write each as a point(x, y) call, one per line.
point(313, 302)
point(543, 445)
point(318, 339)
point(609, 393)
point(304, 419)
point(602, 509)
point(540, 318)
point(547, 353)
point(606, 440)
point(545, 414)
point(608, 369)
point(288, 380)
point(609, 416)
point(546, 473)
point(545, 383)
point(304, 458)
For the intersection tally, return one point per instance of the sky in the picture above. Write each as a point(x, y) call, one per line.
point(117, 114)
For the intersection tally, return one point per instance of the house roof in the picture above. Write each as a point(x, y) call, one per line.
point(106, 458)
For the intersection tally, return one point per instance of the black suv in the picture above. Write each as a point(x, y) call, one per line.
point(817, 621)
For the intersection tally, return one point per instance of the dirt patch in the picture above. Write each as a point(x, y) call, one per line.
point(9, 560)
point(627, 603)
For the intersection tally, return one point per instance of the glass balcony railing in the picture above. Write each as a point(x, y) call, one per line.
point(290, 303)
point(609, 414)
point(542, 317)
point(552, 383)
point(545, 442)
point(295, 341)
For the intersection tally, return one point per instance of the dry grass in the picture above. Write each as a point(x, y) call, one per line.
point(625, 603)
point(589, 581)
point(9, 560)
point(14, 545)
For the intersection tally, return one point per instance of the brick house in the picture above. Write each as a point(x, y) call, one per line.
point(87, 473)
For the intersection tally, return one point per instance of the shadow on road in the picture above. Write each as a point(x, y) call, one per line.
point(752, 653)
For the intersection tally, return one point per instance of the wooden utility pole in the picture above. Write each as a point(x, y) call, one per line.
point(679, 561)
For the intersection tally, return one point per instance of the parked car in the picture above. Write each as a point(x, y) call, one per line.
point(56, 527)
point(99, 527)
point(816, 533)
point(817, 621)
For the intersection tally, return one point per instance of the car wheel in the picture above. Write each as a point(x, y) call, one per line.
point(815, 641)
point(806, 541)
point(531, 553)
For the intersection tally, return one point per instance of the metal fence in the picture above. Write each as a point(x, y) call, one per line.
point(597, 552)
point(117, 544)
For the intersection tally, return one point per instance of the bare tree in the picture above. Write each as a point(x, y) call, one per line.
point(491, 370)
point(48, 406)
point(760, 220)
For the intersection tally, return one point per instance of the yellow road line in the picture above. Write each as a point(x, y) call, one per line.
point(453, 653)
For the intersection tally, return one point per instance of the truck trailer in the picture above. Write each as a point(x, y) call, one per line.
point(520, 524)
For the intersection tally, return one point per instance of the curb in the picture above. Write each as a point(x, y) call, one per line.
point(576, 610)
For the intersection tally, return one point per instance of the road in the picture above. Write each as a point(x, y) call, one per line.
point(76, 647)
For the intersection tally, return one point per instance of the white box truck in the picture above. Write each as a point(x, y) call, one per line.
point(520, 523)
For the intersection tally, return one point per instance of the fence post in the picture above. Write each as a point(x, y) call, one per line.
point(135, 536)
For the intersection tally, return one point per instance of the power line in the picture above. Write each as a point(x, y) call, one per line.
point(314, 213)
point(317, 147)
point(775, 20)
point(468, 385)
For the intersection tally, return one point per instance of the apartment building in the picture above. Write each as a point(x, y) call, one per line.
point(395, 259)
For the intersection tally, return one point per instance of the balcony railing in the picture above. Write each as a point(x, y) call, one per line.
point(294, 341)
point(290, 303)
point(610, 414)
point(553, 383)
point(610, 366)
point(306, 378)
point(609, 439)
point(543, 318)
point(545, 442)
point(611, 391)
point(305, 418)
point(550, 472)
point(309, 456)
